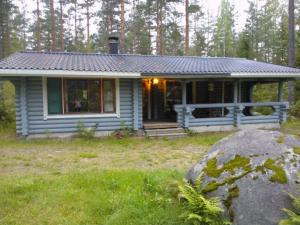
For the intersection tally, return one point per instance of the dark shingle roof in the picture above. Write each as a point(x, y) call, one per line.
point(145, 65)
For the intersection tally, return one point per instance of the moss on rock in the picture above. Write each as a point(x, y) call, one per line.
point(214, 185)
point(212, 169)
point(233, 192)
point(296, 150)
point(279, 175)
point(280, 139)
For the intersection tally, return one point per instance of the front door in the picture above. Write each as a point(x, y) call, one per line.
point(159, 98)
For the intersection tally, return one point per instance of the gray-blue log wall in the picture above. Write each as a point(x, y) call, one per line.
point(30, 116)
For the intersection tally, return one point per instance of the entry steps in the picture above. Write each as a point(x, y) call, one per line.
point(161, 130)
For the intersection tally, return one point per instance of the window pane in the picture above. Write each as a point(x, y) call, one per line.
point(94, 96)
point(54, 96)
point(109, 95)
point(82, 96)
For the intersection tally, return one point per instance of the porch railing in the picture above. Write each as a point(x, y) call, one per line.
point(230, 114)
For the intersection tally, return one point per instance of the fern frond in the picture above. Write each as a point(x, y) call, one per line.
point(201, 210)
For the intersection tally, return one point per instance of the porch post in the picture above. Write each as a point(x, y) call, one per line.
point(280, 91)
point(23, 106)
point(135, 99)
point(183, 85)
point(237, 108)
point(235, 91)
point(282, 108)
point(149, 99)
point(186, 113)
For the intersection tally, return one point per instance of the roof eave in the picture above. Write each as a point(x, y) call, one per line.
point(266, 75)
point(65, 73)
point(185, 75)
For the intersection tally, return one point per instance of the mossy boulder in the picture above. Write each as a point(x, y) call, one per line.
point(251, 172)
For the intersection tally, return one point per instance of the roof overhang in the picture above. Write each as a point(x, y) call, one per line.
point(66, 73)
point(91, 74)
point(265, 75)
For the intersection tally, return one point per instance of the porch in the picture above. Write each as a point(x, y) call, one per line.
point(210, 103)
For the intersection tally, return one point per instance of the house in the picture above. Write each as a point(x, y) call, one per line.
point(56, 90)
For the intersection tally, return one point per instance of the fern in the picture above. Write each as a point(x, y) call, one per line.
point(200, 209)
point(293, 214)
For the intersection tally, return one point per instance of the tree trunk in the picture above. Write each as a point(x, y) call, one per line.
point(62, 43)
point(158, 28)
point(122, 34)
point(291, 48)
point(38, 26)
point(75, 22)
point(88, 25)
point(187, 28)
point(53, 33)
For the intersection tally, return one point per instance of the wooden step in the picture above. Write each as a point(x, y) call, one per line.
point(164, 131)
point(159, 125)
point(173, 135)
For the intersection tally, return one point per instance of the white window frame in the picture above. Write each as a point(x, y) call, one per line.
point(80, 115)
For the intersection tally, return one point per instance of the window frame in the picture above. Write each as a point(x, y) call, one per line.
point(116, 112)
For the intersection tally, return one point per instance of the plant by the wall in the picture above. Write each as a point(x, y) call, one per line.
point(295, 109)
point(124, 131)
point(86, 132)
point(201, 210)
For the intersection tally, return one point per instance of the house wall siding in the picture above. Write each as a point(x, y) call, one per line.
point(35, 116)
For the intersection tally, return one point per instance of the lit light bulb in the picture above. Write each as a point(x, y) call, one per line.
point(155, 81)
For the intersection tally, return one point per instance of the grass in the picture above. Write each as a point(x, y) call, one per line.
point(87, 155)
point(106, 197)
point(20, 156)
point(95, 181)
point(291, 127)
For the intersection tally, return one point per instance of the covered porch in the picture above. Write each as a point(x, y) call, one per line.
point(202, 104)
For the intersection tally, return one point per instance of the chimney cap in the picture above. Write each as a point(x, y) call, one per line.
point(113, 42)
point(113, 37)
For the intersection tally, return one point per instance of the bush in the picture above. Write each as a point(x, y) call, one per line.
point(200, 209)
point(295, 109)
point(124, 131)
point(7, 102)
point(293, 214)
point(86, 132)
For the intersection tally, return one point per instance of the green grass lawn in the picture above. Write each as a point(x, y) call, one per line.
point(98, 181)
point(94, 197)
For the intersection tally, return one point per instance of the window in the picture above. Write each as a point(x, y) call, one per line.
point(54, 96)
point(81, 96)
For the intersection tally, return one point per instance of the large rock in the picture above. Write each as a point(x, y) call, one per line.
point(251, 172)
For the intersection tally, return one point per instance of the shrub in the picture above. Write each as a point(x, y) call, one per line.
point(199, 209)
point(295, 109)
point(86, 132)
point(7, 102)
point(293, 214)
point(124, 131)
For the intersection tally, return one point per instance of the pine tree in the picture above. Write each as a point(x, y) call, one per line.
point(87, 6)
point(248, 39)
point(38, 26)
point(53, 31)
point(291, 48)
point(138, 38)
point(5, 11)
point(224, 39)
point(187, 28)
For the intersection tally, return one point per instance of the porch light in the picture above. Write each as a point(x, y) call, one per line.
point(155, 81)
